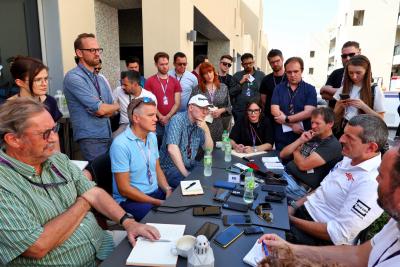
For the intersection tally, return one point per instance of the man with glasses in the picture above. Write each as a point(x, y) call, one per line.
point(186, 79)
point(130, 89)
point(46, 201)
point(250, 80)
point(138, 181)
point(349, 50)
point(184, 135)
point(89, 100)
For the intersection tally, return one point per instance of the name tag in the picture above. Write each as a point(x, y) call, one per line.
point(165, 100)
point(310, 171)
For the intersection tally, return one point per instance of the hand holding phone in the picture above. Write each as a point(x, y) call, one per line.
point(344, 96)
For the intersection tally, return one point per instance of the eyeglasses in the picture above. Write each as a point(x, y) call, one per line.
point(226, 64)
point(140, 101)
point(247, 63)
point(46, 133)
point(253, 111)
point(181, 64)
point(92, 50)
point(263, 213)
point(97, 69)
point(348, 55)
point(39, 81)
point(204, 109)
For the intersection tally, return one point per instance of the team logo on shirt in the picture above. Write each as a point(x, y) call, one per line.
point(360, 209)
point(349, 176)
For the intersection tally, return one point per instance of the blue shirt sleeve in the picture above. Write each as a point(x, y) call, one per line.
point(120, 158)
point(173, 131)
point(311, 96)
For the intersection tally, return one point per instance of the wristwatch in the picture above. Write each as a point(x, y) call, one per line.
point(126, 216)
point(287, 119)
point(293, 204)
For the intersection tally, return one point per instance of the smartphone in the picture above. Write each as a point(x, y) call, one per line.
point(235, 206)
point(234, 169)
point(236, 220)
point(274, 198)
point(228, 236)
point(208, 229)
point(222, 195)
point(225, 185)
point(252, 230)
point(206, 211)
point(344, 96)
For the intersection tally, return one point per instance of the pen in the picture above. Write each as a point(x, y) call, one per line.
point(265, 248)
point(189, 186)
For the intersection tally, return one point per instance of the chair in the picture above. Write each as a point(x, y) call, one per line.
point(100, 168)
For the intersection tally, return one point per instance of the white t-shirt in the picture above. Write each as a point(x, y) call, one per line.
point(384, 244)
point(123, 99)
point(350, 112)
point(346, 199)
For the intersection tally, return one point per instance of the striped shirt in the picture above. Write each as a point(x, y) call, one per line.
point(25, 208)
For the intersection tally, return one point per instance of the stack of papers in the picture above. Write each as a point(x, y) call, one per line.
point(191, 187)
point(255, 255)
point(272, 163)
point(153, 253)
point(270, 159)
point(247, 155)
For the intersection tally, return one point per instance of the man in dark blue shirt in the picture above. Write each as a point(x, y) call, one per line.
point(292, 103)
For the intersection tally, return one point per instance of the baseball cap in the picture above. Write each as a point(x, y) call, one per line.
point(199, 100)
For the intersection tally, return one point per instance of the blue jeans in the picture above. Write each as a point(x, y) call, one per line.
point(94, 147)
point(174, 176)
point(140, 209)
point(293, 189)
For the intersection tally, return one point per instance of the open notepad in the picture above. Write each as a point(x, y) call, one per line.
point(188, 189)
point(247, 155)
point(255, 255)
point(148, 253)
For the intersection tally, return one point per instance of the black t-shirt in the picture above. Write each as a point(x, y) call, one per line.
point(233, 86)
point(329, 149)
point(335, 80)
point(241, 133)
point(267, 87)
point(51, 106)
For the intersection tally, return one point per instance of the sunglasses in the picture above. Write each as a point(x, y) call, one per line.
point(46, 133)
point(97, 69)
point(140, 101)
point(92, 50)
point(253, 111)
point(181, 64)
point(348, 55)
point(226, 64)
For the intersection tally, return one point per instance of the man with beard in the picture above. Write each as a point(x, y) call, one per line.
point(167, 91)
point(314, 154)
point(383, 250)
point(89, 99)
point(270, 81)
point(344, 204)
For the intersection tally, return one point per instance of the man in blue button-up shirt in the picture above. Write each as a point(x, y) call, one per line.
point(89, 100)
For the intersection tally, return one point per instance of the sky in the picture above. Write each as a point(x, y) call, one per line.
point(288, 23)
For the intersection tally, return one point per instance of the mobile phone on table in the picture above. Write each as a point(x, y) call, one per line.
point(234, 169)
point(252, 230)
point(236, 219)
point(206, 211)
point(228, 236)
point(235, 206)
point(344, 96)
point(222, 195)
point(274, 198)
point(208, 229)
point(225, 185)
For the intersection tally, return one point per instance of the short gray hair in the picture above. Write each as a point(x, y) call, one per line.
point(15, 113)
point(374, 129)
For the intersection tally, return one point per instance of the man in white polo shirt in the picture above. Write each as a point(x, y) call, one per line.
point(130, 89)
point(345, 202)
point(383, 250)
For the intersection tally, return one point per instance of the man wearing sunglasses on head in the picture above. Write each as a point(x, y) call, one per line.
point(186, 79)
point(138, 181)
point(45, 199)
point(349, 50)
point(184, 135)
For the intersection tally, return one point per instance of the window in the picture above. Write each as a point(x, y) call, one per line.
point(311, 71)
point(312, 53)
point(358, 18)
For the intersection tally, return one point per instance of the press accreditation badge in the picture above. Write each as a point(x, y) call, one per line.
point(165, 100)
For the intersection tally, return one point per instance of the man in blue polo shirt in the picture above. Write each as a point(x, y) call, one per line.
point(138, 181)
point(184, 135)
point(291, 104)
point(89, 100)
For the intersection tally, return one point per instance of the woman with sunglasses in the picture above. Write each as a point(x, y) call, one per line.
point(218, 96)
point(254, 133)
point(32, 78)
point(357, 95)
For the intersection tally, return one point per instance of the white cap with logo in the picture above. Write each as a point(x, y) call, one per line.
point(199, 100)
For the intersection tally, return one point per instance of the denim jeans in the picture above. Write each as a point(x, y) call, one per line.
point(293, 189)
point(94, 147)
point(174, 176)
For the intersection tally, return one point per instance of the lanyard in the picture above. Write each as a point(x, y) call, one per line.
point(95, 82)
point(254, 136)
point(282, 79)
point(180, 78)
point(149, 176)
point(396, 253)
point(189, 145)
point(162, 85)
point(211, 93)
point(291, 98)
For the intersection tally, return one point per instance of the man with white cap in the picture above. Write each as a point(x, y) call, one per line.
point(184, 134)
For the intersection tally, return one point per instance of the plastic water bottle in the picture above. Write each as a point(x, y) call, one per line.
point(61, 102)
point(249, 185)
point(208, 163)
point(225, 135)
point(228, 150)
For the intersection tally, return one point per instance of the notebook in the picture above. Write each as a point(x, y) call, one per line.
point(195, 189)
point(255, 255)
point(247, 155)
point(148, 253)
